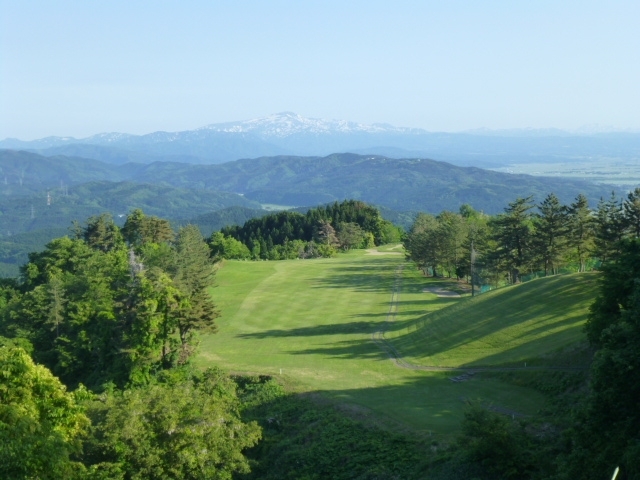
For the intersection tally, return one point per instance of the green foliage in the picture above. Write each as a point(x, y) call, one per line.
point(609, 228)
point(192, 273)
point(605, 432)
point(580, 234)
point(71, 310)
point(549, 242)
point(350, 235)
point(512, 232)
point(228, 247)
point(616, 288)
point(140, 229)
point(97, 313)
point(102, 233)
point(305, 439)
point(289, 235)
point(444, 243)
point(41, 424)
point(497, 443)
point(184, 426)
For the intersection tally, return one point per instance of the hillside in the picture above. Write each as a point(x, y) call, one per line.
point(311, 323)
point(407, 184)
point(25, 173)
point(505, 327)
point(397, 184)
point(78, 202)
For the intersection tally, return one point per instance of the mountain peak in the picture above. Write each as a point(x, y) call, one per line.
point(285, 124)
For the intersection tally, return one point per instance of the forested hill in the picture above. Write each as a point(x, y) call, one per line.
point(406, 184)
point(31, 212)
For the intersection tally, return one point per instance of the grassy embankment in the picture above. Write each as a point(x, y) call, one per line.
point(311, 322)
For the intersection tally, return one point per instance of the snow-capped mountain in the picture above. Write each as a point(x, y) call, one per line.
point(287, 133)
point(285, 124)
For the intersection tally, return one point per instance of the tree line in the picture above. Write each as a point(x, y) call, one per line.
point(524, 239)
point(320, 232)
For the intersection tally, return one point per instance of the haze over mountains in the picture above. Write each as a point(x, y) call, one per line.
point(287, 133)
point(222, 174)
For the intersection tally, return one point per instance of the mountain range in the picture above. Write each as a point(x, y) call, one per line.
point(42, 195)
point(414, 184)
point(290, 134)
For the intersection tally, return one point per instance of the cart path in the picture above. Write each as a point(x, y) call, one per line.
point(395, 356)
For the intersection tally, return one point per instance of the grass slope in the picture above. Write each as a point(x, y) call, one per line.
point(313, 320)
point(509, 326)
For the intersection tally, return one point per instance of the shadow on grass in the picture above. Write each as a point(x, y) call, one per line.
point(363, 327)
point(553, 303)
point(365, 277)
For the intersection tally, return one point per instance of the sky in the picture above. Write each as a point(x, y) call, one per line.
point(77, 68)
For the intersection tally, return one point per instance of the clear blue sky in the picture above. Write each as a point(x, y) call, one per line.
point(81, 67)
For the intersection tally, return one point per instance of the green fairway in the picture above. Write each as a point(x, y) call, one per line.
point(311, 323)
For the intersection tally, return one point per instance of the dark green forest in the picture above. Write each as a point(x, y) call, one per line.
point(317, 233)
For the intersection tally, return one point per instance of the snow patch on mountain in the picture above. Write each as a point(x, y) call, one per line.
point(285, 124)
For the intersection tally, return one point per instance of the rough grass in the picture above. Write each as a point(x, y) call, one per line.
point(310, 324)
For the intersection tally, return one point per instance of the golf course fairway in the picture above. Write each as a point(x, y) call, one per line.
point(312, 324)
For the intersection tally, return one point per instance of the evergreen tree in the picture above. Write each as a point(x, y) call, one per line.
point(549, 240)
point(139, 229)
point(512, 233)
point(193, 276)
point(580, 230)
point(605, 433)
point(102, 233)
point(632, 213)
point(452, 232)
point(609, 228)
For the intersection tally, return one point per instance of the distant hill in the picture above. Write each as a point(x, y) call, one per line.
point(31, 212)
point(24, 173)
point(287, 133)
point(397, 184)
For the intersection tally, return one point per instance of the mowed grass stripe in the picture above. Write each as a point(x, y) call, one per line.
point(509, 326)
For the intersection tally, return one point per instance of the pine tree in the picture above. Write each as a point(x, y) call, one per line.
point(581, 230)
point(512, 232)
point(193, 275)
point(632, 213)
point(609, 228)
point(550, 235)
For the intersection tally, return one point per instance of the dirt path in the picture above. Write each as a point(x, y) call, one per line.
point(396, 357)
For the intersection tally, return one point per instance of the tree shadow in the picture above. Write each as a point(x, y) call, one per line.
point(376, 277)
